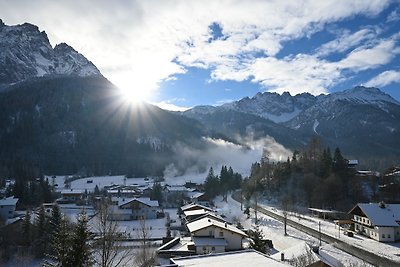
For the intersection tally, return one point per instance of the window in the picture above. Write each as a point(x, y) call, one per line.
point(383, 236)
point(221, 234)
point(210, 233)
point(213, 248)
point(388, 236)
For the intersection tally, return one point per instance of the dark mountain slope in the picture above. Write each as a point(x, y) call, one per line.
point(70, 124)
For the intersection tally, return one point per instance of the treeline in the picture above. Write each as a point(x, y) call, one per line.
point(313, 177)
point(226, 181)
point(31, 192)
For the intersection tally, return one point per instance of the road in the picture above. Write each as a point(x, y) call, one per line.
point(350, 249)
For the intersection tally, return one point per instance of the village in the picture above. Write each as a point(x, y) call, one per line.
point(188, 228)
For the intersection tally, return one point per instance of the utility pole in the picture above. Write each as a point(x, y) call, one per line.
point(241, 200)
point(319, 228)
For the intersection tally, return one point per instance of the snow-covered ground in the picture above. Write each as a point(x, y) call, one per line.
point(274, 230)
point(388, 250)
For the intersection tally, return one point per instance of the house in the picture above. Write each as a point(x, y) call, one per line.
point(200, 198)
point(378, 221)
point(191, 215)
point(206, 230)
point(7, 208)
point(125, 209)
point(228, 259)
point(175, 195)
point(194, 206)
point(352, 163)
point(72, 195)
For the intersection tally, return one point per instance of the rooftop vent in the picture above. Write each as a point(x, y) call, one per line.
point(382, 205)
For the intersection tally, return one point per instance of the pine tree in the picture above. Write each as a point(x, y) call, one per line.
point(211, 184)
point(55, 218)
point(26, 228)
point(62, 243)
point(81, 253)
point(41, 236)
point(257, 241)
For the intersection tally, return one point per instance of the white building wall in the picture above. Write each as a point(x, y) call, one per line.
point(386, 234)
point(233, 240)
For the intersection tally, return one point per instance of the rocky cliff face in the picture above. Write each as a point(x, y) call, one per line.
point(26, 52)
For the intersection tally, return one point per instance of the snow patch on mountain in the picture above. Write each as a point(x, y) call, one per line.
point(154, 142)
point(316, 123)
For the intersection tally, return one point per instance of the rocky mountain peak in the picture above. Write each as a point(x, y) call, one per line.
point(362, 95)
point(26, 53)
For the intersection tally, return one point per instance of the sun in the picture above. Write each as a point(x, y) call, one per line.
point(131, 90)
point(133, 95)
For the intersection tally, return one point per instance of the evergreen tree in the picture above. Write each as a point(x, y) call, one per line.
point(61, 244)
point(55, 219)
point(156, 192)
point(26, 227)
point(81, 254)
point(211, 184)
point(257, 241)
point(41, 236)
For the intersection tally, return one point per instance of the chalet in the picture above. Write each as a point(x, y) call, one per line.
point(125, 209)
point(7, 207)
point(72, 195)
point(205, 231)
point(174, 195)
point(378, 221)
point(200, 198)
point(193, 206)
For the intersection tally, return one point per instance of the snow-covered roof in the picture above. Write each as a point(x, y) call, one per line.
point(197, 194)
point(206, 222)
point(386, 215)
point(353, 162)
point(297, 251)
point(179, 189)
point(211, 215)
point(144, 200)
point(72, 192)
point(9, 201)
point(209, 241)
point(195, 212)
point(193, 206)
point(229, 259)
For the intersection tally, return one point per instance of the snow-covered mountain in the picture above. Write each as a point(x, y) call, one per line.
point(364, 122)
point(26, 52)
point(275, 107)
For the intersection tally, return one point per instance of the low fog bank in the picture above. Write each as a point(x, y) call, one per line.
point(193, 164)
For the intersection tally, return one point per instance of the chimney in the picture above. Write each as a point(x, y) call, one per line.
point(282, 256)
point(226, 225)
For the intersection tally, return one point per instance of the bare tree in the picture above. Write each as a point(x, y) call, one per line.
point(107, 252)
point(145, 257)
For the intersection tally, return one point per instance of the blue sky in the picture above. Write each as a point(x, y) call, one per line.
point(179, 54)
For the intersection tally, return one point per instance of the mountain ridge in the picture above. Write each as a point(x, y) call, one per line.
point(27, 53)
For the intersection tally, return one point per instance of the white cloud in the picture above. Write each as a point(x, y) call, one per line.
point(170, 106)
point(138, 44)
point(366, 58)
point(384, 78)
point(347, 41)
